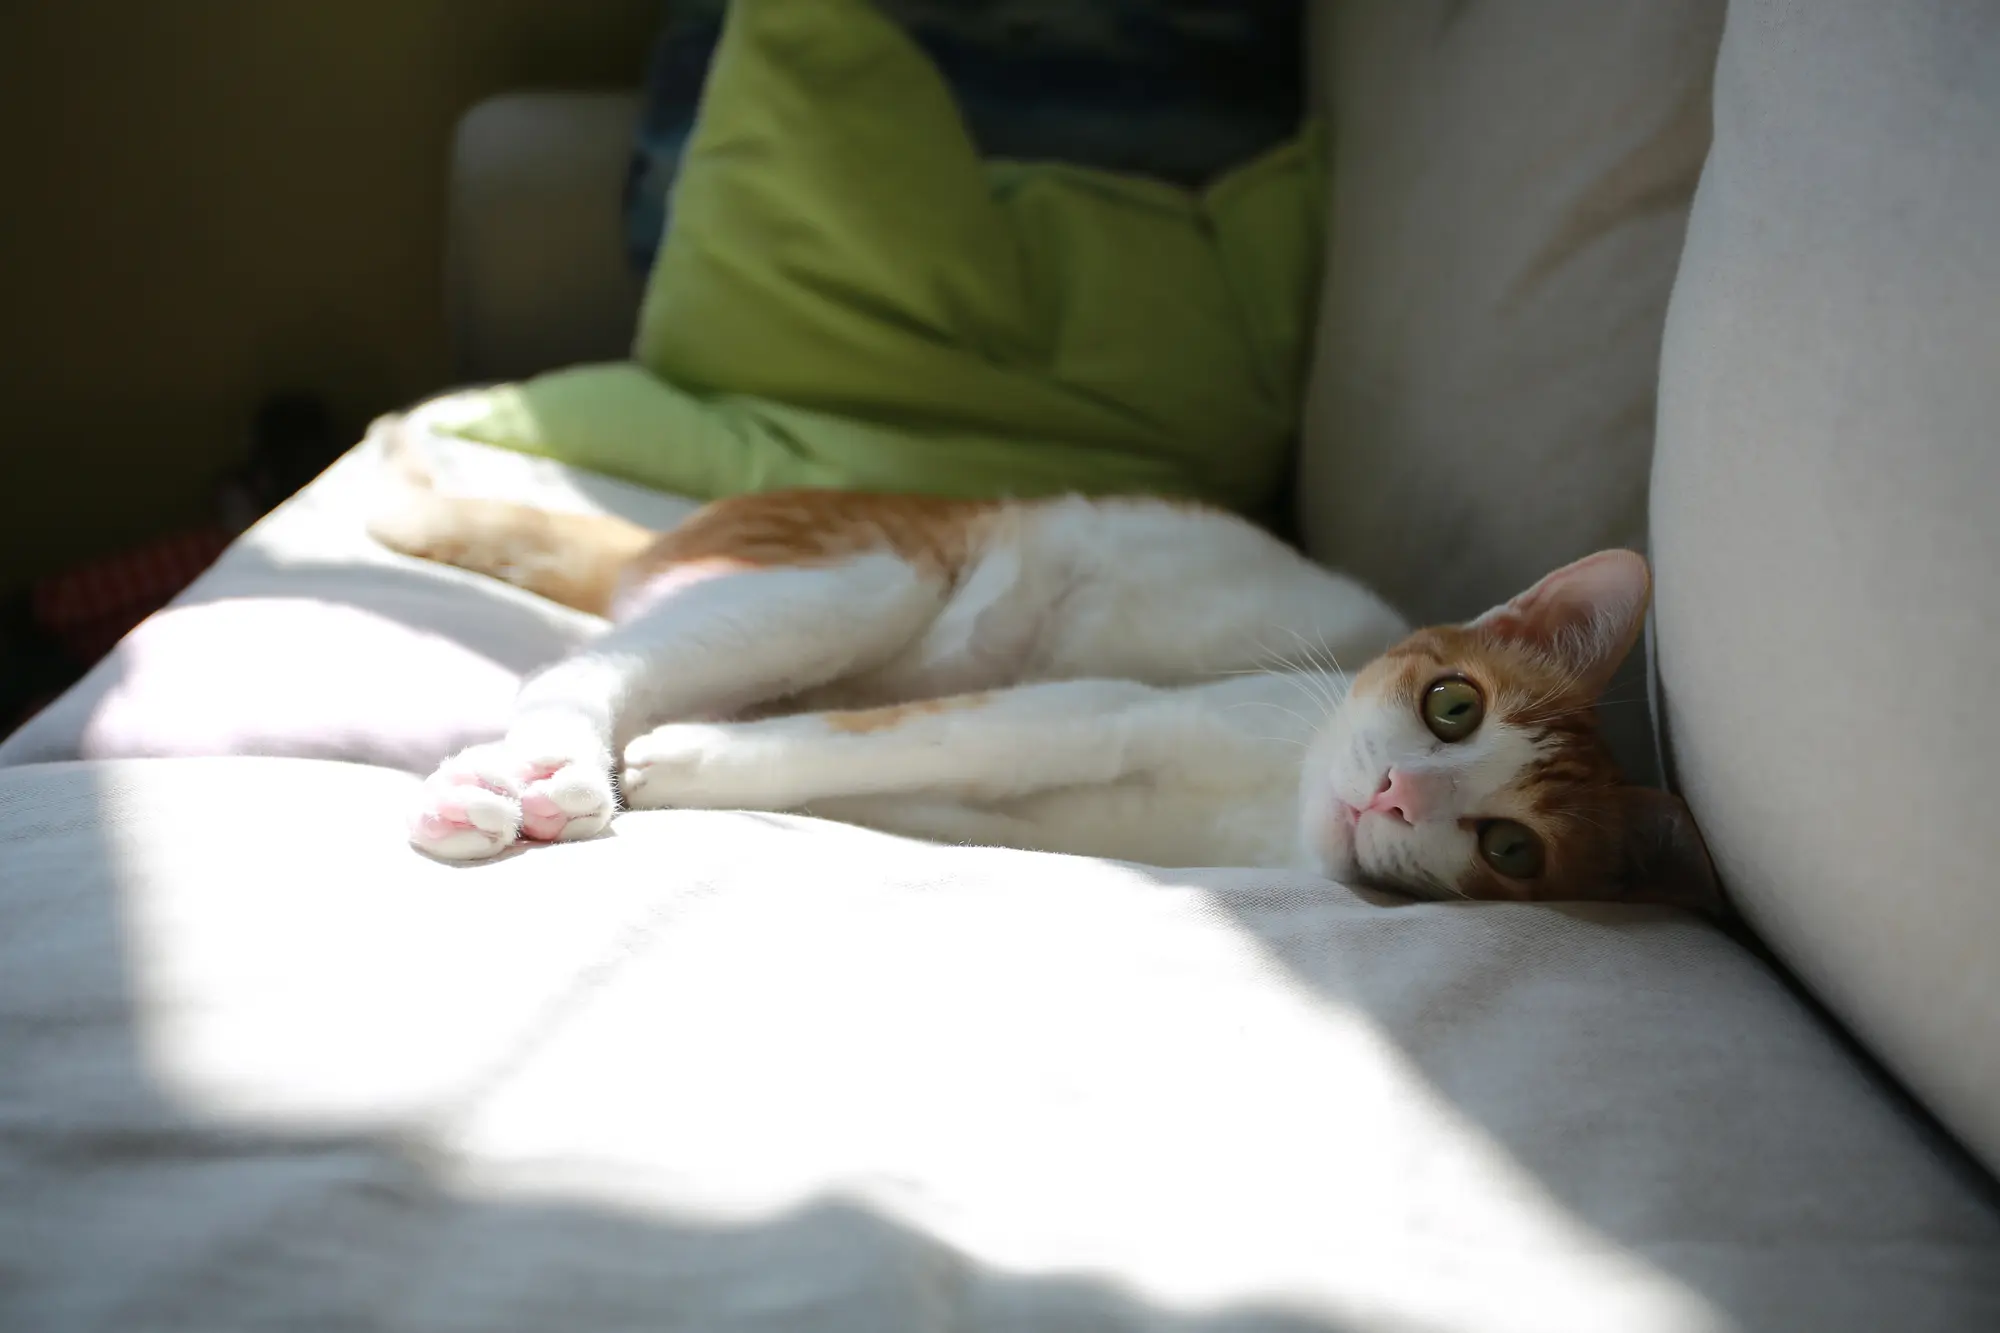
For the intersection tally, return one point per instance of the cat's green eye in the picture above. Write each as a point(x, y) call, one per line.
point(1452, 708)
point(1511, 849)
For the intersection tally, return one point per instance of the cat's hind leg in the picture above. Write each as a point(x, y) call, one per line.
point(714, 639)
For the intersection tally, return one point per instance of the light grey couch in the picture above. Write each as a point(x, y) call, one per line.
point(261, 1066)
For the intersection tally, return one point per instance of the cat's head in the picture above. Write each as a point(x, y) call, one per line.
point(1466, 760)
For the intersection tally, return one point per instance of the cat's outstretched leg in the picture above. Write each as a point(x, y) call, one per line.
point(714, 638)
point(984, 747)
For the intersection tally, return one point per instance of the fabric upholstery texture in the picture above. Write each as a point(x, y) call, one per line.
point(534, 275)
point(308, 639)
point(1823, 520)
point(727, 1072)
point(1508, 199)
point(1509, 193)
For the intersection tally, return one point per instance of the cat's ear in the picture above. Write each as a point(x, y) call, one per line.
point(1664, 858)
point(1586, 615)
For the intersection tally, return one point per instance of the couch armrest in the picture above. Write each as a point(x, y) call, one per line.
point(535, 269)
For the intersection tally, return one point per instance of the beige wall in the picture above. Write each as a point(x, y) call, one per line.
point(205, 200)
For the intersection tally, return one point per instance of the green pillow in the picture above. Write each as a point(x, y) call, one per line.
point(850, 296)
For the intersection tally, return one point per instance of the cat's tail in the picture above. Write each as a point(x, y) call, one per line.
point(574, 559)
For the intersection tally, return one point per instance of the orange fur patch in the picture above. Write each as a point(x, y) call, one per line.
point(860, 722)
point(581, 560)
point(1574, 790)
point(573, 559)
point(805, 527)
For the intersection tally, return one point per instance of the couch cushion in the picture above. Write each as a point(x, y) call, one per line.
point(1509, 194)
point(309, 639)
point(1827, 552)
point(267, 1067)
point(534, 274)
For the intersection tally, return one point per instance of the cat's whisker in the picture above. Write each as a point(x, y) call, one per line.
point(1321, 657)
point(1266, 703)
point(1332, 657)
point(1329, 694)
point(1284, 740)
point(1428, 879)
point(1534, 718)
point(1328, 702)
point(1324, 694)
point(1304, 647)
point(1556, 690)
point(1275, 662)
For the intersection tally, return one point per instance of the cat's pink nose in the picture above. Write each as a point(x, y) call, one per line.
point(1405, 796)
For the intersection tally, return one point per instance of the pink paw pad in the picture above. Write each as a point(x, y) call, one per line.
point(438, 824)
point(447, 814)
point(541, 818)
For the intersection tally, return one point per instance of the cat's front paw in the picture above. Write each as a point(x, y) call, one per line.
point(483, 800)
point(665, 767)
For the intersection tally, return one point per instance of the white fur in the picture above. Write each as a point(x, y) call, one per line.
point(1110, 628)
point(1200, 774)
point(1346, 762)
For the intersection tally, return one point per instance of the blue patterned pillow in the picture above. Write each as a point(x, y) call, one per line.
point(1177, 89)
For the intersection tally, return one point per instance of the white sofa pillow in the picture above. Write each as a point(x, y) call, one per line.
point(1827, 548)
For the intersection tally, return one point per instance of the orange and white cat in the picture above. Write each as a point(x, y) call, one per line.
point(1135, 678)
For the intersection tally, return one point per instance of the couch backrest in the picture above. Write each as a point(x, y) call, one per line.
point(1510, 191)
